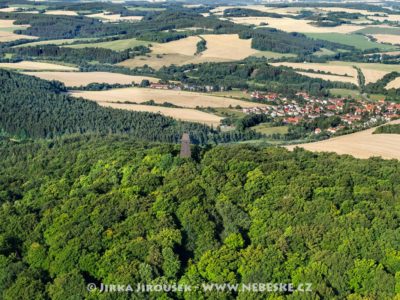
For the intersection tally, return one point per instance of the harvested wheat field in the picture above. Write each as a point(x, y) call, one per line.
point(220, 48)
point(227, 47)
point(394, 84)
point(294, 25)
point(391, 18)
point(115, 17)
point(8, 9)
point(339, 78)
point(183, 114)
point(336, 70)
point(85, 78)
point(36, 66)
point(9, 37)
point(387, 38)
point(186, 46)
point(372, 71)
point(61, 12)
point(176, 52)
point(347, 10)
point(339, 72)
point(362, 144)
point(7, 29)
point(372, 75)
point(178, 98)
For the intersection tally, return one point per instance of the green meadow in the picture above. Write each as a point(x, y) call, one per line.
point(356, 40)
point(117, 45)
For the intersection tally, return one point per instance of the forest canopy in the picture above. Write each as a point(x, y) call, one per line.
point(107, 209)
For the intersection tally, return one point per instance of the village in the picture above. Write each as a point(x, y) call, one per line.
point(353, 114)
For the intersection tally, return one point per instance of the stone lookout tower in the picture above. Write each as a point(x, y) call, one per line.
point(185, 146)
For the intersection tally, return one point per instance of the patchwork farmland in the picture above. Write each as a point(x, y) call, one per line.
point(178, 98)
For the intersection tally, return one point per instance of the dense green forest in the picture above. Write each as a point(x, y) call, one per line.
point(247, 12)
point(390, 128)
point(77, 56)
point(269, 39)
point(94, 209)
point(34, 108)
point(254, 73)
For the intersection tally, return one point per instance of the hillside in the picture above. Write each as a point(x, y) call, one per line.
point(108, 209)
point(34, 108)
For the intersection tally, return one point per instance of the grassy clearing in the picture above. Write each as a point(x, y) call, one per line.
point(346, 93)
point(359, 41)
point(379, 30)
point(267, 129)
point(376, 97)
point(25, 6)
point(56, 42)
point(270, 54)
point(117, 45)
point(324, 52)
point(237, 94)
point(229, 112)
point(36, 66)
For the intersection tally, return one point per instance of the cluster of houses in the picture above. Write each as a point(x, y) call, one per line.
point(306, 108)
point(184, 87)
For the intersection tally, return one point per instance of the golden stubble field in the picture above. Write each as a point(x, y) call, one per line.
point(183, 114)
point(338, 72)
point(294, 25)
point(85, 78)
point(6, 31)
point(36, 66)
point(178, 98)
point(61, 12)
point(220, 48)
point(394, 84)
point(361, 144)
point(106, 17)
point(387, 38)
point(372, 71)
